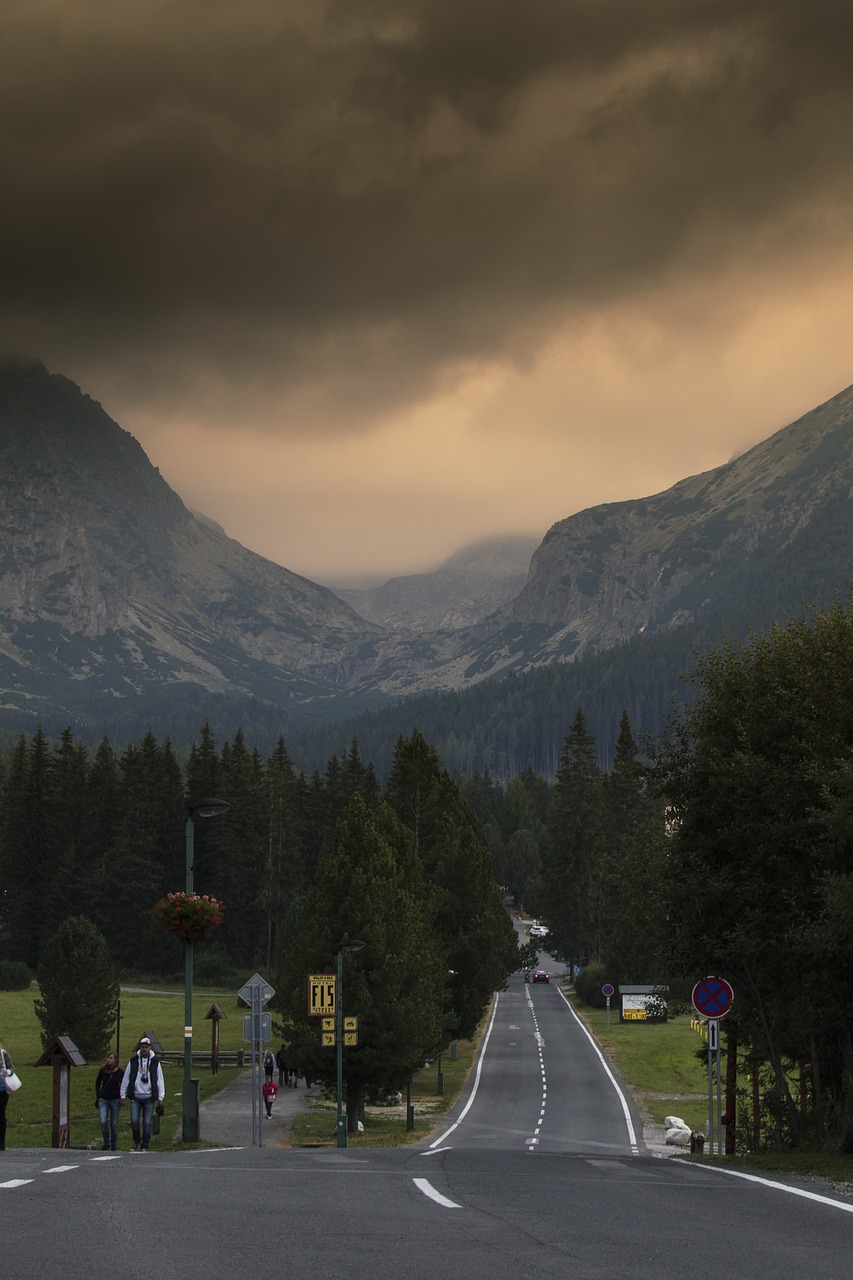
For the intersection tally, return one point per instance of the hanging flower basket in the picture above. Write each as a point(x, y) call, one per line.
point(190, 916)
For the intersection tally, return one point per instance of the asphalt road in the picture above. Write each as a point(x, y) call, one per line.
point(540, 1172)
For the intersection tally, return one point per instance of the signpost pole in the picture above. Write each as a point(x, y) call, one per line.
point(341, 1130)
point(710, 1094)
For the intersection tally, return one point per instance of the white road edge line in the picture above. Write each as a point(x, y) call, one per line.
point(430, 1191)
point(16, 1182)
point(776, 1186)
point(632, 1137)
point(470, 1101)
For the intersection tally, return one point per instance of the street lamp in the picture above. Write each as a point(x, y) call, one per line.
point(206, 807)
point(348, 944)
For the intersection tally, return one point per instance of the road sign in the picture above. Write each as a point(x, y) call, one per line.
point(263, 1029)
point(328, 1024)
point(261, 986)
point(712, 997)
point(350, 1039)
point(608, 989)
point(350, 1024)
point(322, 990)
point(327, 1039)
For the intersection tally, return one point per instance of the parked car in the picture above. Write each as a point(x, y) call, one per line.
point(539, 975)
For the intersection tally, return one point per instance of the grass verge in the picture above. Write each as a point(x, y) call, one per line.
point(386, 1126)
point(658, 1063)
point(160, 1012)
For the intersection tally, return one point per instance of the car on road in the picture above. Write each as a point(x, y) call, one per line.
point(539, 975)
point(538, 931)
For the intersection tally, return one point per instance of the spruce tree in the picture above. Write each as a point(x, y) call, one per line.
point(79, 990)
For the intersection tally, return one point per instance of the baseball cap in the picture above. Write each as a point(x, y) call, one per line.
point(145, 1040)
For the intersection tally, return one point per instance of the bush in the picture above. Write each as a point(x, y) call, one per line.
point(14, 975)
point(588, 985)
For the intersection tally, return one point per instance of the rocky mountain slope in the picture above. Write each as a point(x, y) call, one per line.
point(107, 580)
point(464, 590)
point(112, 593)
point(758, 539)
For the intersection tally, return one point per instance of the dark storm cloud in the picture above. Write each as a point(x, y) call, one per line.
point(361, 191)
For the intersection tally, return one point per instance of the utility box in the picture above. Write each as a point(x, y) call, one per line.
point(62, 1054)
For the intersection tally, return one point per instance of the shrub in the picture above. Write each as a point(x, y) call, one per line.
point(14, 975)
point(588, 985)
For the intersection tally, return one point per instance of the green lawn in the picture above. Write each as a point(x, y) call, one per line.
point(29, 1111)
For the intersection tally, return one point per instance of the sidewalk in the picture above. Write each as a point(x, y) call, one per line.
point(227, 1117)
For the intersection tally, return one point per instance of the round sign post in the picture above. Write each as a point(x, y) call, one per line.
point(607, 992)
point(712, 999)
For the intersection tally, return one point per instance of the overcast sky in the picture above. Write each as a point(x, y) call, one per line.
point(373, 279)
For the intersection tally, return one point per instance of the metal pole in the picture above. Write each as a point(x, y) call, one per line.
point(719, 1101)
point(710, 1096)
point(339, 1044)
point(189, 1112)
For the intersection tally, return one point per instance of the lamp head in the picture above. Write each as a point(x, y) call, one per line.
point(207, 807)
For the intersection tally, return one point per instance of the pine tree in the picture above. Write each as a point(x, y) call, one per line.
point(370, 887)
point(79, 991)
point(573, 873)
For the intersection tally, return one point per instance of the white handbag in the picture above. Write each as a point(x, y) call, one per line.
point(12, 1081)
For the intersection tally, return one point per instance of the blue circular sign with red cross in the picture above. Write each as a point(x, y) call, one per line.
point(712, 997)
point(607, 989)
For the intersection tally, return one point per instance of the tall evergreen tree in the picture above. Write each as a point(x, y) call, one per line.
point(79, 991)
point(573, 873)
point(369, 887)
point(474, 928)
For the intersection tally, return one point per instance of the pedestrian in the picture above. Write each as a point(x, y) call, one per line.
point(281, 1063)
point(269, 1064)
point(270, 1091)
point(8, 1068)
point(143, 1084)
point(108, 1100)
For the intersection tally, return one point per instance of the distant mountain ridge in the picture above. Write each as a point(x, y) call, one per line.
point(464, 590)
point(114, 598)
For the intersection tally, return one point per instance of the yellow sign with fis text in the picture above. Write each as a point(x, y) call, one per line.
point(322, 993)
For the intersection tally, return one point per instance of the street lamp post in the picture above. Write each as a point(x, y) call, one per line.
point(348, 944)
point(207, 807)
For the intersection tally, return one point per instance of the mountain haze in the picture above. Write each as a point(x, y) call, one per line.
point(464, 590)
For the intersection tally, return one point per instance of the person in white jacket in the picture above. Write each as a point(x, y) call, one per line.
point(143, 1085)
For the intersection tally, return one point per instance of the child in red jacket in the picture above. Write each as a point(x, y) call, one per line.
point(270, 1091)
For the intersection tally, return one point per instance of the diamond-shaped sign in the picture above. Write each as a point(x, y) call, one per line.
point(256, 983)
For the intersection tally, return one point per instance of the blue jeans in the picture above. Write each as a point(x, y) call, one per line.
point(108, 1109)
point(146, 1108)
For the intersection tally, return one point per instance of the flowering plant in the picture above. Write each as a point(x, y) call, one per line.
point(189, 915)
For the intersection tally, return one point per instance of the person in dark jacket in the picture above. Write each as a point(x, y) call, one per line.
point(108, 1100)
point(6, 1065)
point(281, 1063)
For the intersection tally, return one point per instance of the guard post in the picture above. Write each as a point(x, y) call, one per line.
point(62, 1054)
